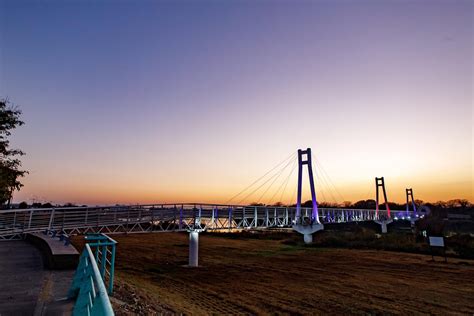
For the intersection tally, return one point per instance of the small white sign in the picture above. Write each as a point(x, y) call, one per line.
point(436, 241)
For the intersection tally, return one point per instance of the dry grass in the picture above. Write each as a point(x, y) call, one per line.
point(265, 276)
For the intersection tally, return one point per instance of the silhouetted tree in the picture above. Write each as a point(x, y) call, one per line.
point(347, 204)
point(394, 206)
point(23, 205)
point(440, 204)
point(419, 202)
point(457, 203)
point(365, 204)
point(9, 163)
point(464, 203)
point(328, 205)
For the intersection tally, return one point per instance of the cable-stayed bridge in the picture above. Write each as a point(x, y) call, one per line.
point(199, 216)
point(96, 265)
point(178, 217)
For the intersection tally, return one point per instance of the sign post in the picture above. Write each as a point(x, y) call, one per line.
point(437, 242)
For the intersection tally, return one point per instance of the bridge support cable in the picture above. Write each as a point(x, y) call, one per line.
point(324, 187)
point(264, 183)
point(283, 185)
point(369, 194)
point(328, 178)
point(276, 178)
point(293, 198)
point(260, 178)
point(321, 187)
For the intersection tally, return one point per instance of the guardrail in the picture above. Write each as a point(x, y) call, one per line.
point(103, 248)
point(164, 217)
point(88, 288)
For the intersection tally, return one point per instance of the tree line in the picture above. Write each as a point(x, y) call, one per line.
point(370, 204)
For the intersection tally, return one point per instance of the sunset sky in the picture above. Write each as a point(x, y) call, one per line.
point(160, 101)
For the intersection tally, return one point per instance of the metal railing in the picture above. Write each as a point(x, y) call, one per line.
point(88, 287)
point(165, 217)
point(103, 248)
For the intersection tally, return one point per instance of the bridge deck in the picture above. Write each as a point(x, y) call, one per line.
point(167, 217)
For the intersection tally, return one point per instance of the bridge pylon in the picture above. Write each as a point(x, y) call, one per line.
point(379, 182)
point(382, 221)
point(410, 198)
point(304, 224)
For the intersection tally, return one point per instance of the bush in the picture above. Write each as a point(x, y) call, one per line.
point(463, 245)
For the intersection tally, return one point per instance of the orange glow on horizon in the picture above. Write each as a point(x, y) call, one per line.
point(134, 192)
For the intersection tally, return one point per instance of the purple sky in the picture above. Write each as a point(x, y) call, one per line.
point(155, 101)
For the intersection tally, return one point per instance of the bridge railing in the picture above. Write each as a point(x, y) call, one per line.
point(88, 287)
point(165, 217)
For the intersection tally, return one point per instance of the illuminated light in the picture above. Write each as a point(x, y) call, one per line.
point(396, 218)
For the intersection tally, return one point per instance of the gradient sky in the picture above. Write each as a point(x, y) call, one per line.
point(156, 101)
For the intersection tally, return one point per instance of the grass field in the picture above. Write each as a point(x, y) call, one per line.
point(274, 276)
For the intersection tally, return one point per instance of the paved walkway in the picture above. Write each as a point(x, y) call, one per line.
point(26, 287)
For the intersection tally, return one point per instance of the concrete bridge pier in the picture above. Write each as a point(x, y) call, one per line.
point(383, 224)
point(308, 230)
point(194, 248)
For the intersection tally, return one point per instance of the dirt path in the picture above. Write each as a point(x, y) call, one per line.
point(254, 276)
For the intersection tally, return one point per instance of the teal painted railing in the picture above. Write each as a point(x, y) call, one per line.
point(103, 248)
point(88, 285)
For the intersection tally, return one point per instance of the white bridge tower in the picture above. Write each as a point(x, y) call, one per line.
point(304, 223)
